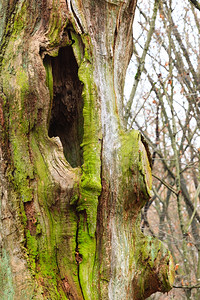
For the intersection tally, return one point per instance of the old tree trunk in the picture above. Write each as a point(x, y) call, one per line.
point(72, 181)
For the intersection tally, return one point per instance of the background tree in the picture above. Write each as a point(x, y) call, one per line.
point(164, 106)
point(73, 181)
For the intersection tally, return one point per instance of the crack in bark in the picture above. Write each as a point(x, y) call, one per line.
point(76, 18)
point(78, 256)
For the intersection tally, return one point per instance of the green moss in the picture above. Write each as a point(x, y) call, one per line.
point(32, 248)
point(170, 273)
point(55, 29)
point(22, 82)
point(49, 75)
point(29, 173)
point(20, 20)
point(88, 48)
point(17, 99)
point(150, 255)
point(45, 187)
point(49, 82)
point(78, 47)
point(18, 123)
point(15, 24)
point(87, 249)
point(144, 168)
point(89, 188)
point(38, 229)
point(90, 184)
point(66, 241)
point(22, 214)
point(129, 151)
point(48, 272)
point(56, 26)
point(136, 178)
point(57, 243)
point(22, 168)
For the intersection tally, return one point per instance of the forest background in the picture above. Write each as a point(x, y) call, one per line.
point(162, 100)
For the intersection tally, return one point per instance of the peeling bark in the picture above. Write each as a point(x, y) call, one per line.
point(72, 180)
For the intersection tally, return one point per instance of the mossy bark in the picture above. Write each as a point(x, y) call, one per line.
point(73, 181)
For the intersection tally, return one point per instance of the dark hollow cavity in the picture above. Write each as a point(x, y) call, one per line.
point(66, 118)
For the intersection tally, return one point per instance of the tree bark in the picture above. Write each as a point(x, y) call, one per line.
point(73, 181)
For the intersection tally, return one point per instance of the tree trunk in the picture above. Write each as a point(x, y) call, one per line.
point(72, 181)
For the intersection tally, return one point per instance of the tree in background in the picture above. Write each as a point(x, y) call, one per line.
point(164, 105)
point(73, 181)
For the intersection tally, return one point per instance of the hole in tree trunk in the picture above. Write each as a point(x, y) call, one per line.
point(66, 119)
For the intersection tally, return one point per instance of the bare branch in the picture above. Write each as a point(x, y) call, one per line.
point(142, 61)
point(195, 3)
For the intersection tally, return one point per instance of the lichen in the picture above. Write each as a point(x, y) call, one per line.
point(6, 279)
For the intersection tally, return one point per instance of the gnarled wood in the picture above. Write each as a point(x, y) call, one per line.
point(72, 181)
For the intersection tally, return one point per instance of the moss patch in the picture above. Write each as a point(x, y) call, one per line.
point(90, 185)
point(135, 178)
point(90, 182)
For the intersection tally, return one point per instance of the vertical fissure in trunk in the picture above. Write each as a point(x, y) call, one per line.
point(66, 115)
point(78, 256)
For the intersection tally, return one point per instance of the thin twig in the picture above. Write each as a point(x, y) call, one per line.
point(186, 287)
point(166, 184)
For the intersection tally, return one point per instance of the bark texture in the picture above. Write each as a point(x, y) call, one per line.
point(72, 181)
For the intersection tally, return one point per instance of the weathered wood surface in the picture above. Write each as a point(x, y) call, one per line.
point(72, 181)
